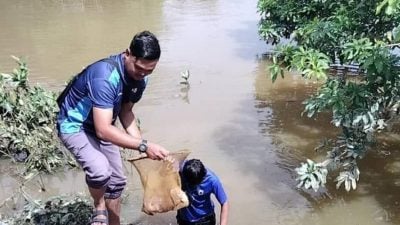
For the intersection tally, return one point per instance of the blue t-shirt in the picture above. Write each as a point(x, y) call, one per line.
point(200, 203)
point(99, 85)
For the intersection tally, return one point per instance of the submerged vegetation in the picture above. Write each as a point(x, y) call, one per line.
point(27, 124)
point(61, 210)
point(323, 34)
point(28, 136)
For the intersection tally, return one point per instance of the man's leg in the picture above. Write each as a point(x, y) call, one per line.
point(85, 149)
point(114, 210)
point(117, 181)
point(98, 201)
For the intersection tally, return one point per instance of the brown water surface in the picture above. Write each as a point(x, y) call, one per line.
point(248, 130)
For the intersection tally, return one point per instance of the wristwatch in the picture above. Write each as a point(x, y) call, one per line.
point(143, 146)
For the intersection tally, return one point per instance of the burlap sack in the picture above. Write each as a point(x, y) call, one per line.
point(161, 183)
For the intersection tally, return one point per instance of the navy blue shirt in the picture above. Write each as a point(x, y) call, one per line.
point(99, 85)
point(200, 203)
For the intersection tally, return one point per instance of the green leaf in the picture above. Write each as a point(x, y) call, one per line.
point(380, 6)
point(379, 66)
point(353, 184)
point(347, 185)
point(48, 129)
point(340, 181)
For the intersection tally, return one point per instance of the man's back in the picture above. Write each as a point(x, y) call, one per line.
point(99, 85)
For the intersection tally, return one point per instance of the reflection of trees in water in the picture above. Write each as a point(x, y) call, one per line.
point(379, 184)
point(294, 137)
point(380, 175)
point(185, 86)
point(184, 93)
point(279, 108)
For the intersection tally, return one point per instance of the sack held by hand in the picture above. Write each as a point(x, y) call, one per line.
point(161, 183)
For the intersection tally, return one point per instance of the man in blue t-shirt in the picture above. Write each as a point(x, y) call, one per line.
point(89, 107)
point(199, 183)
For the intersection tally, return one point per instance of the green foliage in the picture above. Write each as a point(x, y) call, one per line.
point(310, 62)
point(322, 32)
point(394, 35)
point(311, 175)
point(345, 19)
point(390, 6)
point(348, 178)
point(55, 211)
point(185, 77)
point(27, 123)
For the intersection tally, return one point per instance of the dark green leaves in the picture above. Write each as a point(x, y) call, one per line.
point(390, 7)
point(343, 34)
point(312, 64)
point(27, 116)
point(311, 175)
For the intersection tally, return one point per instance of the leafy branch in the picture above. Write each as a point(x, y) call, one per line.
point(27, 123)
point(331, 32)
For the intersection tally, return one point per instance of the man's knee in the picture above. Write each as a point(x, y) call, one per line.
point(98, 175)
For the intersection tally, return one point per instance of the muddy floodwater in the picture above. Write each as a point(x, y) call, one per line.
point(248, 130)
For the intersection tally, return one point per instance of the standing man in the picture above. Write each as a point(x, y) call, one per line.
point(89, 106)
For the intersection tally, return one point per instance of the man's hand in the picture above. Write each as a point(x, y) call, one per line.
point(155, 151)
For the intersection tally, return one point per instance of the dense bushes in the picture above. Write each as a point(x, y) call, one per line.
point(326, 33)
point(27, 123)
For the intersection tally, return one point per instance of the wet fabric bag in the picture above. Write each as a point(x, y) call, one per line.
point(161, 183)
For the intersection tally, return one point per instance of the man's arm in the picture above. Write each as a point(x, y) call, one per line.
point(224, 213)
point(127, 119)
point(106, 131)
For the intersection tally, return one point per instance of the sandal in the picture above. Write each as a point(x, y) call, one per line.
point(96, 213)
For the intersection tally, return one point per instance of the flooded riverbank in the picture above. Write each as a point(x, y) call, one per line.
point(248, 130)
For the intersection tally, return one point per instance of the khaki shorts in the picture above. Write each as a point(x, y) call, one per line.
point(100, 160)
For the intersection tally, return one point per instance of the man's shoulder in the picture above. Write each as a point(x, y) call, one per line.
point(100, 69)
point(104, 72)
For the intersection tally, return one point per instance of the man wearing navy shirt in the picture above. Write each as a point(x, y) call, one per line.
point(199, 183)
point(89, 107)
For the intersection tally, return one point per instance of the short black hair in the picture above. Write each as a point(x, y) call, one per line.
point(145, 45)
point(194, 171)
